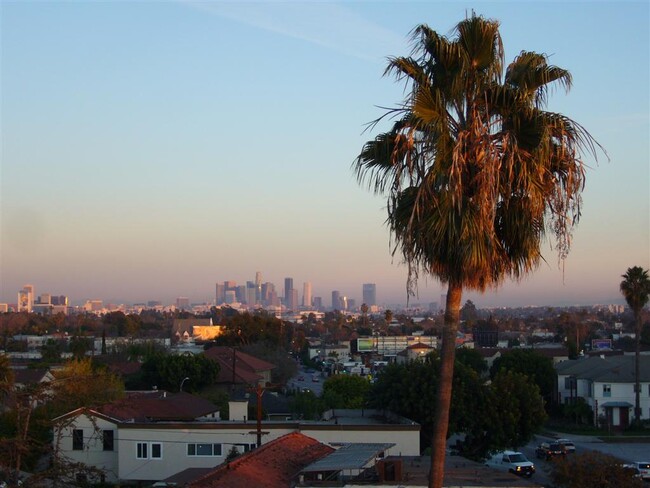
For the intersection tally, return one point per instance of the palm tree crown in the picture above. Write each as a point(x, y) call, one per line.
point(474, 170)
point(635, 288)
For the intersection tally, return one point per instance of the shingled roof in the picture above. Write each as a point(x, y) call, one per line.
point(272, 465)
point(158, 406)
point(247, 367)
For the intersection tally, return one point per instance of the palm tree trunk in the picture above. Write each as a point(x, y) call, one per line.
point(637, 371)
point(447, 354)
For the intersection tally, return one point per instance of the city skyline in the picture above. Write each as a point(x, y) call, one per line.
point(212, 140)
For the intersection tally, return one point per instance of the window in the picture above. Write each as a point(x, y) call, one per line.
point(142, 450)
point(77, 440)
point(107, 437)
point(570, 383)
point(204, 450)
point(607, 390)
point(156, 450)
point(148, 450)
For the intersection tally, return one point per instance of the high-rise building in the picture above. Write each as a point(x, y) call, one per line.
point(288, 286)
point(306, 294)
point(220, 294)
point(370, 294)
point(183, 303)
point(26, 298)
point(258, 287)
point(292, 304)
point(318, 303)
point(336, 300)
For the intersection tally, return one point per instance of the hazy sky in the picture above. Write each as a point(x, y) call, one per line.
point(152, 149)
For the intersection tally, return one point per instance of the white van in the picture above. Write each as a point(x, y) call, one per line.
point(513, 462)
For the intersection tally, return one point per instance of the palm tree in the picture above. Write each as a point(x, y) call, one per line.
point(635, 287)
point(474, 171)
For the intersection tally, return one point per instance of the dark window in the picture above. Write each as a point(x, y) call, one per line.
point(156, 451)
point(77, 440)
point(142, 450)
point(107, 436)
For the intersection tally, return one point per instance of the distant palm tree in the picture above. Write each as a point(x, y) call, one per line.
point(474, 171)
point(635, 287)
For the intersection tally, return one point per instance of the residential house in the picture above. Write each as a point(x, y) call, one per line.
point(150, 441)
point(195, 329)
point(414, 352)
point(237, 367)
point(607, 384)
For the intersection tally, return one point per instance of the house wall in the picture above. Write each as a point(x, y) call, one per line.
point(93, 453)
point(174, 439)
point(623, 392)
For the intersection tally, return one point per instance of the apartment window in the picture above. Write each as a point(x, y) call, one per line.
point(107, 437)
point(204, 450)
point(77, 440)
point(607, 390)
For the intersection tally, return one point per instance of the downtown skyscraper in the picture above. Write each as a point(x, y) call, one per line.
point(370, 294)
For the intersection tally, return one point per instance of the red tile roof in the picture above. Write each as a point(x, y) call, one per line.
point(247, 367)
point(273, 465)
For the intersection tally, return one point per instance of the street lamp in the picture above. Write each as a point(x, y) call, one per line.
point(184, 380)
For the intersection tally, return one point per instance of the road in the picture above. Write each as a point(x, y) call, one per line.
point(304, 380)
point(627, 452)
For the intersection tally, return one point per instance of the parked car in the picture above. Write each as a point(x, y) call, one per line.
point(550, 450)
point(315, 378)
point(513, 462)
point(301, 378)
point(643, 467)
point(569, 446)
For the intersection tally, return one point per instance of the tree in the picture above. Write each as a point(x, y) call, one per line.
point(592, 469)
point(473, 359)
point(475, 172)
point(538, 368)
point(635, 287)
point(345, 391)
point(169, 371)
point(80, 383)
point(469, 313)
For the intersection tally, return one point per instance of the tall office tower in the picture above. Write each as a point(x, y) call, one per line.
point(306, 294)
point(351, 304)
point(370, 294)
point(251, 296)
point(240, 292)
point(219, 294)
point(45, 299)
point(60, 300)
point(318, 303)
point(336, 300)
point(258, 287)
point(443, 302)
point(344, 302)
point(288, 286)
point(183, 303)
point(231, 296)
point(292, 304)
point(26, 299)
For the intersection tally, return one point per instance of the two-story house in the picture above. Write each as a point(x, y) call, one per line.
point(607, 384)
point(148, 441)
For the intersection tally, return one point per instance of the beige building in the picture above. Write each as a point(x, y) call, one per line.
point(134, 445)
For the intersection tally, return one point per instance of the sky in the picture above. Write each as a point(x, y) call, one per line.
point(153, 149)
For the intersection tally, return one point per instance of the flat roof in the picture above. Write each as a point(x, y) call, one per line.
point(349, 456)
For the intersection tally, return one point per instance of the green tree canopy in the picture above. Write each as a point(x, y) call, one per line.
point(345, 391)
point(168, 372)
point(529, 362)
